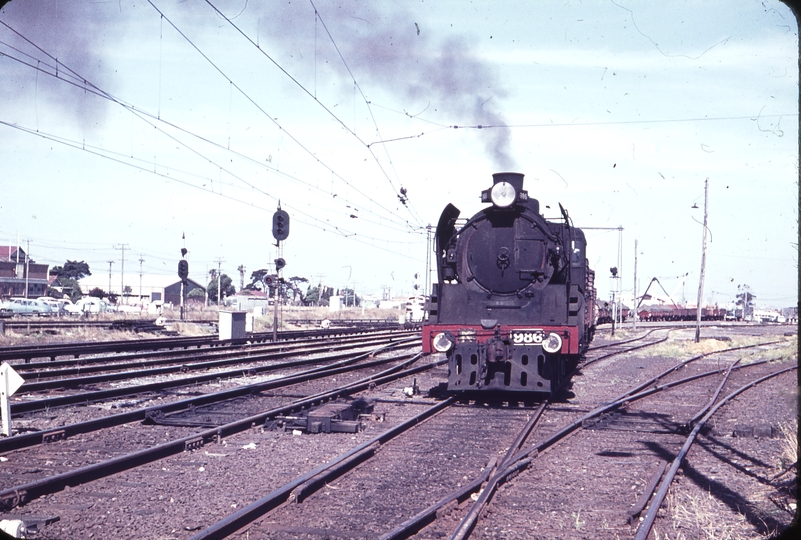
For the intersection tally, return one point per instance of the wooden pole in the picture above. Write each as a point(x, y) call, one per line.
point(703, 267)
point(634, 307)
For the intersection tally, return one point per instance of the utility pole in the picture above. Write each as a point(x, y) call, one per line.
point(27, 264)
point(219, 262)
point(703, 267)
point(122, 247)
point(109, 276)
point(634, 315)
point(141, 260)
point(620, 270)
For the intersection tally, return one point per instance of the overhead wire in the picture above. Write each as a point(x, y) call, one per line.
point(401, 194)
point(325, 227)
point(260, 109)
point(139, 113)
point(316, 100)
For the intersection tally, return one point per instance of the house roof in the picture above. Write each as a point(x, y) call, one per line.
point(7, 251)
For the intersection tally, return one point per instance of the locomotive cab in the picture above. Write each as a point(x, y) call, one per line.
point(509, 308)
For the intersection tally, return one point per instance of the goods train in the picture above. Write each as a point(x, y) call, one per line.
point(514, 303)
point(660, 313)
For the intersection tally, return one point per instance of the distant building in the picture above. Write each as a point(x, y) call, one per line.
point(144, 289)
point(18, 271)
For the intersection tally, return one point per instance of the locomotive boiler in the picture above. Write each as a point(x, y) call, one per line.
point(513, 307)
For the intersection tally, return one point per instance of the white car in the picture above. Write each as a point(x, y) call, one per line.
point(66, 306)
point(91, 304)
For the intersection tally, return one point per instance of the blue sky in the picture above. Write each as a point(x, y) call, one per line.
point(162, 118)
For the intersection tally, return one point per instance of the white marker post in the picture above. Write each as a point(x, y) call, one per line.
point(10, 381)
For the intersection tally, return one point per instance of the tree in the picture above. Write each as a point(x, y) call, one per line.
point(294, 283)
point(97, 292)
point(313, 296)
point(349, 298)
point(241, 270)
point(72, 270)
point(70, 288)
point(226, 284)
point(257, 280)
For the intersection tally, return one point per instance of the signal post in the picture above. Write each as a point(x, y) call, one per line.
point(280, 232)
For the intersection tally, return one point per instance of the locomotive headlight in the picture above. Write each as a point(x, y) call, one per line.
point(552, 343)
point(503, 194)
point(443, 342)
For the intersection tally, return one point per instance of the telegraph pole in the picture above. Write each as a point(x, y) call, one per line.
point(634, 315)
point(703, 267)
point(141, 260)
point(109, 275)
point(122, 247)
point(27, 264)
point(219, 262)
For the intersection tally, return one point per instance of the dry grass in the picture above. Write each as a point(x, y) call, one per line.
point(683, 345)
point(703, 517)
point(13, 338)
point(190, 329)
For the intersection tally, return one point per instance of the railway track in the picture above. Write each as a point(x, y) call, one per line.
point(613, 449)
point(336, 498)
point(24, 354)
point(119, 458)
point(460, 470)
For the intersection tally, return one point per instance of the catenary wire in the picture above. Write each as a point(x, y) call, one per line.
point(139, 112)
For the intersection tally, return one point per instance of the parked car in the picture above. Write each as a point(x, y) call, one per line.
point(68, 308)
point(91, 304)
point(52, 302)
point(24, 306)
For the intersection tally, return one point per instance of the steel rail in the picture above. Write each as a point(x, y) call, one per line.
point(523, 458)
point(40, 437)
point(534, 451)
point(507, 466)
point(623, 342)
point(77, 349)
point(87, 365)
point(608, 355)
point(700, 356)
point(99, 395)
point(14, 496)
point(304, 483)
point(650, 515)
point(33, 384)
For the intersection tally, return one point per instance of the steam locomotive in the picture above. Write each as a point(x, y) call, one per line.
point(514, 303)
